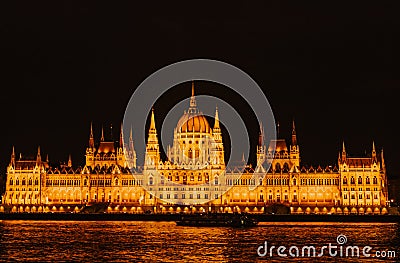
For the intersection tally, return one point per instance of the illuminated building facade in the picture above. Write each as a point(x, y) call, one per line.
point(194, 174)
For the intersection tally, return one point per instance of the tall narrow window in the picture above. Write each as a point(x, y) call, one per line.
point(375, 180)
point(216, 180)
point(352, 181)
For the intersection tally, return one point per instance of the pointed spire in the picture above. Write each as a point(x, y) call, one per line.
point(373, 154)
point(152, 130)
point(277, 130)
point(102, 134)
point(152, 148)
point(47, 158)
point(132, 152)
point(131, 135)
point(294, 136)
point(216, 124)
point(343, 152)
point(121, 136)
point(382, 159)
point(293, 127)
point(13, 157)
point(91, 138)
point(261, 136)
point(111, 131)
point(152, 121)
point(69, 161)
point(131, 146)
point(243, 159)
point(38, 157)
point(192, 99)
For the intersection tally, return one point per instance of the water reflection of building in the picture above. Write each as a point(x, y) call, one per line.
point(195, 173)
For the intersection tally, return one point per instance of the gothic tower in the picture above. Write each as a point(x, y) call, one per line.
point(152, 148)
point(90, 150)
point(294, 149)
point(218, 146)
point(260, 150)
point(131, 151)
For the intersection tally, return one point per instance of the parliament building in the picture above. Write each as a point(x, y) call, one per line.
point(195, 179)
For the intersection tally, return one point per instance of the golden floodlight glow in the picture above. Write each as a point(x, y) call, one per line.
point(194, 175)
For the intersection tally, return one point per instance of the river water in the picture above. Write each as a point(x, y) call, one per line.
point(94, 241)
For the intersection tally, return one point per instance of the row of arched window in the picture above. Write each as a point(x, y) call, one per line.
point(242, 181)
point(24, 182)
point(360, 180)
point(318, 181)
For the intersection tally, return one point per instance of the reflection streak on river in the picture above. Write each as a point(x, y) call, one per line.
point(166, 242)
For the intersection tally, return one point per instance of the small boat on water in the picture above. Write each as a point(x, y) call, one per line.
point(217, 220)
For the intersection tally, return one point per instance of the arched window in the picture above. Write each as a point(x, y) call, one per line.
point(345, 180)
point(23, 181)
point(375, 180)
point(359, 180)
point(294, 181)
point(11, 181)
point(85, 181)
point(352, 180)
point(278, 167)
point(260, 181)
point(36, 182)
point(216, 180)
point(367, 180)
point(286, 167)
point(116, 181)
point(190, 153)
point(150, 180)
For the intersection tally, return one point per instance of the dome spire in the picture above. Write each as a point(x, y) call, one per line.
point(192, 100)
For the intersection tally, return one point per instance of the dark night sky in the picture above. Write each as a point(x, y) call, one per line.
point(335, 69)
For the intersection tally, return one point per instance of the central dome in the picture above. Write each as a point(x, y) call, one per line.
point(193, 122)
